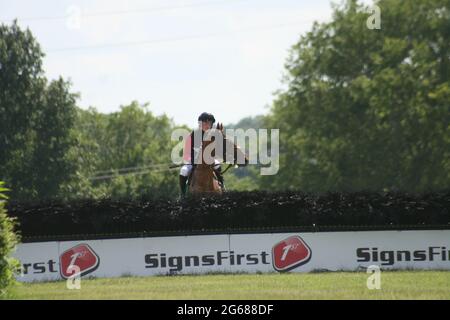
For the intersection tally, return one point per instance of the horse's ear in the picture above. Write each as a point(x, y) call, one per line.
point(220, 126)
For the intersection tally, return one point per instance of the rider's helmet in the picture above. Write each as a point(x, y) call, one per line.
point(205, 116)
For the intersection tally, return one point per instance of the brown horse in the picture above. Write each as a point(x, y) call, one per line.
point(203, 180)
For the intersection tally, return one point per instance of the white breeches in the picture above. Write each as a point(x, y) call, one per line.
point(185, 170)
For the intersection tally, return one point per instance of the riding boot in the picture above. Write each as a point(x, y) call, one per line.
point(183, 186)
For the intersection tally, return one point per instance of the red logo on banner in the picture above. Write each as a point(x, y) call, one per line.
point(79, 260)
point(290, 253)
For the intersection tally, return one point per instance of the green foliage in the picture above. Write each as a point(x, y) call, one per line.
point(8, 241)
point(368, 109)
point(362, 110)
point(132, 139)
point(245, 178)
point(54, 137)
point(255, 122)
point(51, 149)
point(36, 119)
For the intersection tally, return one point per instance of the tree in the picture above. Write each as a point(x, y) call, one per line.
point(138, 139)
point(8, 241)
point(368, 109)
point(54, 138)
point(124, 154)
point(37, 119)
point(245, 178)
point(21, 84)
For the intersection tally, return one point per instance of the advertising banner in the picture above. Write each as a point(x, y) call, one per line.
point(265, 253)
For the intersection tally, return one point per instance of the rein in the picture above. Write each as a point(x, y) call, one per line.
point(228, 168)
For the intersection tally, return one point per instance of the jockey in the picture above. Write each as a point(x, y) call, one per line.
point(191, 151)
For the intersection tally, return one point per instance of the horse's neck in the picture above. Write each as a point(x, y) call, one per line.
point(204, 170)
point(203, 174)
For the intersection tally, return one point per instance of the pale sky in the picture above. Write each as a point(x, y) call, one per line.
point(183, 57)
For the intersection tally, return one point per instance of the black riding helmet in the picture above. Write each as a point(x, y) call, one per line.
point(205, 116)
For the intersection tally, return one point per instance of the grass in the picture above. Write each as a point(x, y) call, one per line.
point(339, 285)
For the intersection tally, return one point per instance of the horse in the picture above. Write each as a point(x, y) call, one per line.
point(203, 179)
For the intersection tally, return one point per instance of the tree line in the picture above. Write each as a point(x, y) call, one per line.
point(361, 110)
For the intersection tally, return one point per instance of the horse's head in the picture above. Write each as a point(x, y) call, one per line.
point(216, 145)
point(212, 145)
point(204, 180)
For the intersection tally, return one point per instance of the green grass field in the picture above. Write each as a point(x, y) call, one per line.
point(341, 285)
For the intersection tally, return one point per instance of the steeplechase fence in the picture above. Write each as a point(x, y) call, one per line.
point(239, 232)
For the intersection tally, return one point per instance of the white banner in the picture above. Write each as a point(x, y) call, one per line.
point(280, 252)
